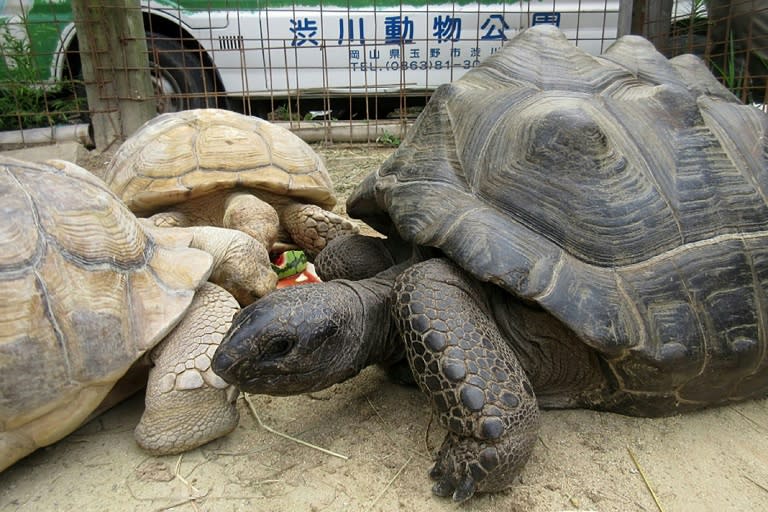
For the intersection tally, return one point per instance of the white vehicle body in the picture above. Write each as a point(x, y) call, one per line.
point(275, 47)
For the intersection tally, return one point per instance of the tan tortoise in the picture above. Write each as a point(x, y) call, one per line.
point(220, 168)
point(86, 292)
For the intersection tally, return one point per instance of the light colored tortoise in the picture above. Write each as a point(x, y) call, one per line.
point(220, 168)
point(86, 293)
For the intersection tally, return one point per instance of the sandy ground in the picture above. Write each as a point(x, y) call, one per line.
point(715, 460)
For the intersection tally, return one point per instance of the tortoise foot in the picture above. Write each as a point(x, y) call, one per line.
point(465, 465)
point(186, 404)
point(475, 382)
point(312, 227)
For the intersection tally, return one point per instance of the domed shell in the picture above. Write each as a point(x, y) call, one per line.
point(84, 292)
point(612, 160)
point(626, 194)
point(183, 155)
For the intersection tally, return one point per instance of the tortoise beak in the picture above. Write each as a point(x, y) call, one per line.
point(224, 365)
point(255, 354)
point(231, 359)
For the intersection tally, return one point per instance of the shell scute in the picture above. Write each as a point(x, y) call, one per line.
point(610, 179)
point(22, 244)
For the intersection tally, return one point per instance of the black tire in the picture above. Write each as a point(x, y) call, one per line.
point(179, 76)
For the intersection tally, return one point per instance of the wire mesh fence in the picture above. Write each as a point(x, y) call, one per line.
point(730, 35)
point(333, 69)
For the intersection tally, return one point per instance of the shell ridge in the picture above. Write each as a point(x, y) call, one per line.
point(696, 76)
point(743, 158)
point(640, 58)
point(698, 148)
point(196, 155)
point(553, 278)
point(688, 246)
point(128, 293)
point(106, 262)
point(761, 299)
point(17, 270)
point(697, 309)
point(633, 306)
point(587, 300)
point(48, 313)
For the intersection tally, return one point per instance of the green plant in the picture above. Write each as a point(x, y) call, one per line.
point(690, 17)
point(698, 9)
point(24, 101)
point(388, 139)
point(731, 72)
point(283, 113)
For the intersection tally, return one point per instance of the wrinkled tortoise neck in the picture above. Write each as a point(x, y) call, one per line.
point(379, 341)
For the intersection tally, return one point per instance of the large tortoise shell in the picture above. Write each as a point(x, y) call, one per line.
point(84, 292)
point(182, 155)
point(626, 194)
point(613, 159)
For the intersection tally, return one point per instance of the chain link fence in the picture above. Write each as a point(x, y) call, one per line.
point(333, 69)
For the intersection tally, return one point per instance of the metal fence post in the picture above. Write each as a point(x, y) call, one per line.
point(652, 18)
point(625, 18)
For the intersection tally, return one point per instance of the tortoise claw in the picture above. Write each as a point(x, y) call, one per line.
point(465, 489)
point(437, 472)
point(443, 487)
point(446, 482)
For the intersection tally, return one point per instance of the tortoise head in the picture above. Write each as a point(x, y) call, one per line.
point(294, 340)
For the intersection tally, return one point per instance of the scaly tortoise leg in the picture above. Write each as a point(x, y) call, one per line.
point(353, 257)
point(246, 212)
point(474, 381)
point(186, 404)
point(312, 227)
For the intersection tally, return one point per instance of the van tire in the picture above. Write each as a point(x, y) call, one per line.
point(180, 79)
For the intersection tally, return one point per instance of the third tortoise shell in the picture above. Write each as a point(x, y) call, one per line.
point(183, 155)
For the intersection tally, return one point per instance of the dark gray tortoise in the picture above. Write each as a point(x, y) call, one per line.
point(562, 230)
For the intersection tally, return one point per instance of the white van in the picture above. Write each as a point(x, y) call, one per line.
point(269, 48)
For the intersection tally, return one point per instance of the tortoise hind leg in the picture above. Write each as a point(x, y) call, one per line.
point(186, 404)
point(474, 381)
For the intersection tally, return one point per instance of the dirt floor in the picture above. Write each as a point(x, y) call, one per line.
point(379, 433)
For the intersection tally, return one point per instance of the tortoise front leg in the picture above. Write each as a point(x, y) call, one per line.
point(186, 404)
point(475, 383)
point(355, 257)
point(312, 227)
point(246, 212)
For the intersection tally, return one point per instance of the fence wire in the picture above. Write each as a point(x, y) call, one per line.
point(730, 35)
point(333, 69)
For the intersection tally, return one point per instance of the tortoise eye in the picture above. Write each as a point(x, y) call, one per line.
point(278, 347)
